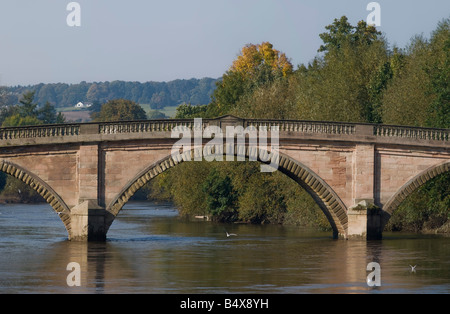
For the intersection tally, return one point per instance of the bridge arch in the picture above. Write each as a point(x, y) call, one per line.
point(330, 203)
point(37, 184)
point(409, 187)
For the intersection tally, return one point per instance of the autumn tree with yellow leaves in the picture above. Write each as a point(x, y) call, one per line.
point(256, 66)
point(256, 58)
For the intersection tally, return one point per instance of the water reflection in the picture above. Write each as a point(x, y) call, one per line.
point(152, 251)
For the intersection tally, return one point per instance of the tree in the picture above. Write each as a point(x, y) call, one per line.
point(439, 73)
point(120, 110)
point(256, 58)
point(419, 94)
point(47, 113)
point(264, 202)
point(342, 32)
point(28, 107)
point(256, 66)
point(156, 114)
point(338, 86)
point(183, 186)
point(96, 107)
point(188, 111)
point(19, 120)
point(27, 113)
point(220, 196)
point(379, 83)
point(274, 101)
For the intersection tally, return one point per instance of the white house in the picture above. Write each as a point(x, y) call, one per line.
point(81, 105)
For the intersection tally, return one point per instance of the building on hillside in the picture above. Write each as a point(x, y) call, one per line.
point(81, 105)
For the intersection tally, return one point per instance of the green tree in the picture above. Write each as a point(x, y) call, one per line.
point(220, 196)
point(183, 186)
point(27, 113)
point(28, 107)
point(96, 107)
point(19, 120)
point(188, 111)
point(47, 114)
point(380, 82)
point(156, 114)
point(120, 110)
point(338, 86)
point(342, 32)
point(419, 94)
point(439, 73)
point(273, 101)
point(264, 202)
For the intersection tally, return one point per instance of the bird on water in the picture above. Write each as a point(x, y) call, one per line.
point(230, 234)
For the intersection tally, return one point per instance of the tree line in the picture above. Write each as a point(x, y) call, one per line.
point(157, 94)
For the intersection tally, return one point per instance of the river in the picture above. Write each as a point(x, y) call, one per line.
point(150, 250)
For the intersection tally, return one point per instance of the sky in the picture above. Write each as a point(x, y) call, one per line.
point(146, 40)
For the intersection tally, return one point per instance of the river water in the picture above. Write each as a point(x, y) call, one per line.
point(150, 250)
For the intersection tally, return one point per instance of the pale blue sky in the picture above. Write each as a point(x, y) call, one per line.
point(142, 40)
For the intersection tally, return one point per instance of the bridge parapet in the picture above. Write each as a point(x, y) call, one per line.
point(80, 132)
point(39, 131)
point(412, 132)
point(147, 126)
point(305, 126)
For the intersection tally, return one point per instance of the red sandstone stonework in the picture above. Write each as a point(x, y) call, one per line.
point(88, 171)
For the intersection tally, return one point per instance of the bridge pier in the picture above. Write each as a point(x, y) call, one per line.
point(88, 218)
point(364, 221)
point(88, 222)
point(364, 217)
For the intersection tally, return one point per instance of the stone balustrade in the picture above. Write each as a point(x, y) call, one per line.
point(412, 132)
point(147, 126)
point(305, 126)
point(39, 131)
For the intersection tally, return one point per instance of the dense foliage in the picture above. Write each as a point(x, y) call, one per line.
point(120, 110)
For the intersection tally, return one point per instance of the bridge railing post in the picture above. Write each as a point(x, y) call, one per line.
point(89, 129)
point(364, 130)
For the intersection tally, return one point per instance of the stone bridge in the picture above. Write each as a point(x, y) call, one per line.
point(357, 173)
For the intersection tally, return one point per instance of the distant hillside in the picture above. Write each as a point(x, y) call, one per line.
point(157, 94)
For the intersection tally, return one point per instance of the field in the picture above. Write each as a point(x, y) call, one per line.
point(168, 111)
point(82, 115)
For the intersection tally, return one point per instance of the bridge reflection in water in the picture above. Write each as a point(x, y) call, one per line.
point(357, 173)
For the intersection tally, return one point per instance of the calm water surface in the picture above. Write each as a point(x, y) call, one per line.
point(150, 250)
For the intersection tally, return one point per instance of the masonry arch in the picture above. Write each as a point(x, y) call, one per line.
point(37, 184)
point(409, 187)
point(330, 203)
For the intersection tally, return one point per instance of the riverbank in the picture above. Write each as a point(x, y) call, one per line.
point(444, 229)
